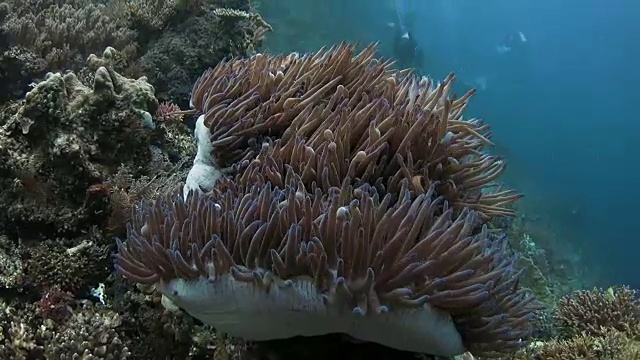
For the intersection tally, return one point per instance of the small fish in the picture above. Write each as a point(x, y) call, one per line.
point(522, 37)
point(503, 49)
point(510, 42)
point(611, 294)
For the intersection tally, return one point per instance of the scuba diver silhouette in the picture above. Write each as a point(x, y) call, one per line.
point(406, 51)
point(405, 48)
point(511, 42)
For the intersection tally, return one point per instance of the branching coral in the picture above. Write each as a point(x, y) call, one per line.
point(231, 20)
point(51, 265)
point(594, 324)
point(350, 202)
point(64, 34)
point(90, 333)
point(11, 265)
point(16, 338)
point(594, 311)
point(611, 345)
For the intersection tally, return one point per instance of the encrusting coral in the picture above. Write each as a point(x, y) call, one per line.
point(347, 198)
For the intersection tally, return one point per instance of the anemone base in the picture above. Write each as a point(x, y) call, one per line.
point(296, 308)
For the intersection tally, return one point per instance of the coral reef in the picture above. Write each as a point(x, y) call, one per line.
point(613, 345)
point(90, 333)
point(43, 35)
point(11, 264)
point(76, 153)
point(64, 141)
point(176, 59)
point(594, 311)
point(593, 324)
point(350, 198)
point(40, 36)
point(83, 146)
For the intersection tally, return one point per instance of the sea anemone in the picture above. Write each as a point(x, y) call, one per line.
point(356, 108)
point(349, 198)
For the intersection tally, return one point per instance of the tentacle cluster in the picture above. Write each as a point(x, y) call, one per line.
point(335, 107)
point(364, 180)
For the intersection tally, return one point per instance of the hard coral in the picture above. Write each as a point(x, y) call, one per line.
point(11, 265)
point(67, 136)
point(595, 311)
point(51, 265)
point(612, 345)
point(91, 333)
point(351, 200)
point(18, 66)
point(184, 51)
point(64, 33)
point(17, 341)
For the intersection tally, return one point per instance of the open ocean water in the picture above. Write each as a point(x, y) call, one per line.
point(562, 104)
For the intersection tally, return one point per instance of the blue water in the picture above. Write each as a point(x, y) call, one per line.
point(563, 106)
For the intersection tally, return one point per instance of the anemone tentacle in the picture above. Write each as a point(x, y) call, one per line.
point(349, 197)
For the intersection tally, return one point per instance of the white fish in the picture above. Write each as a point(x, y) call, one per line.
point(522, 37)
point(503, 49)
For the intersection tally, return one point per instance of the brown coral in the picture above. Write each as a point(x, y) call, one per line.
point(17, 340)
point(612, 345)
point(67, 137)
point(594, 311)
point(64, 35)
point(90, 333)
point(352, 203)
